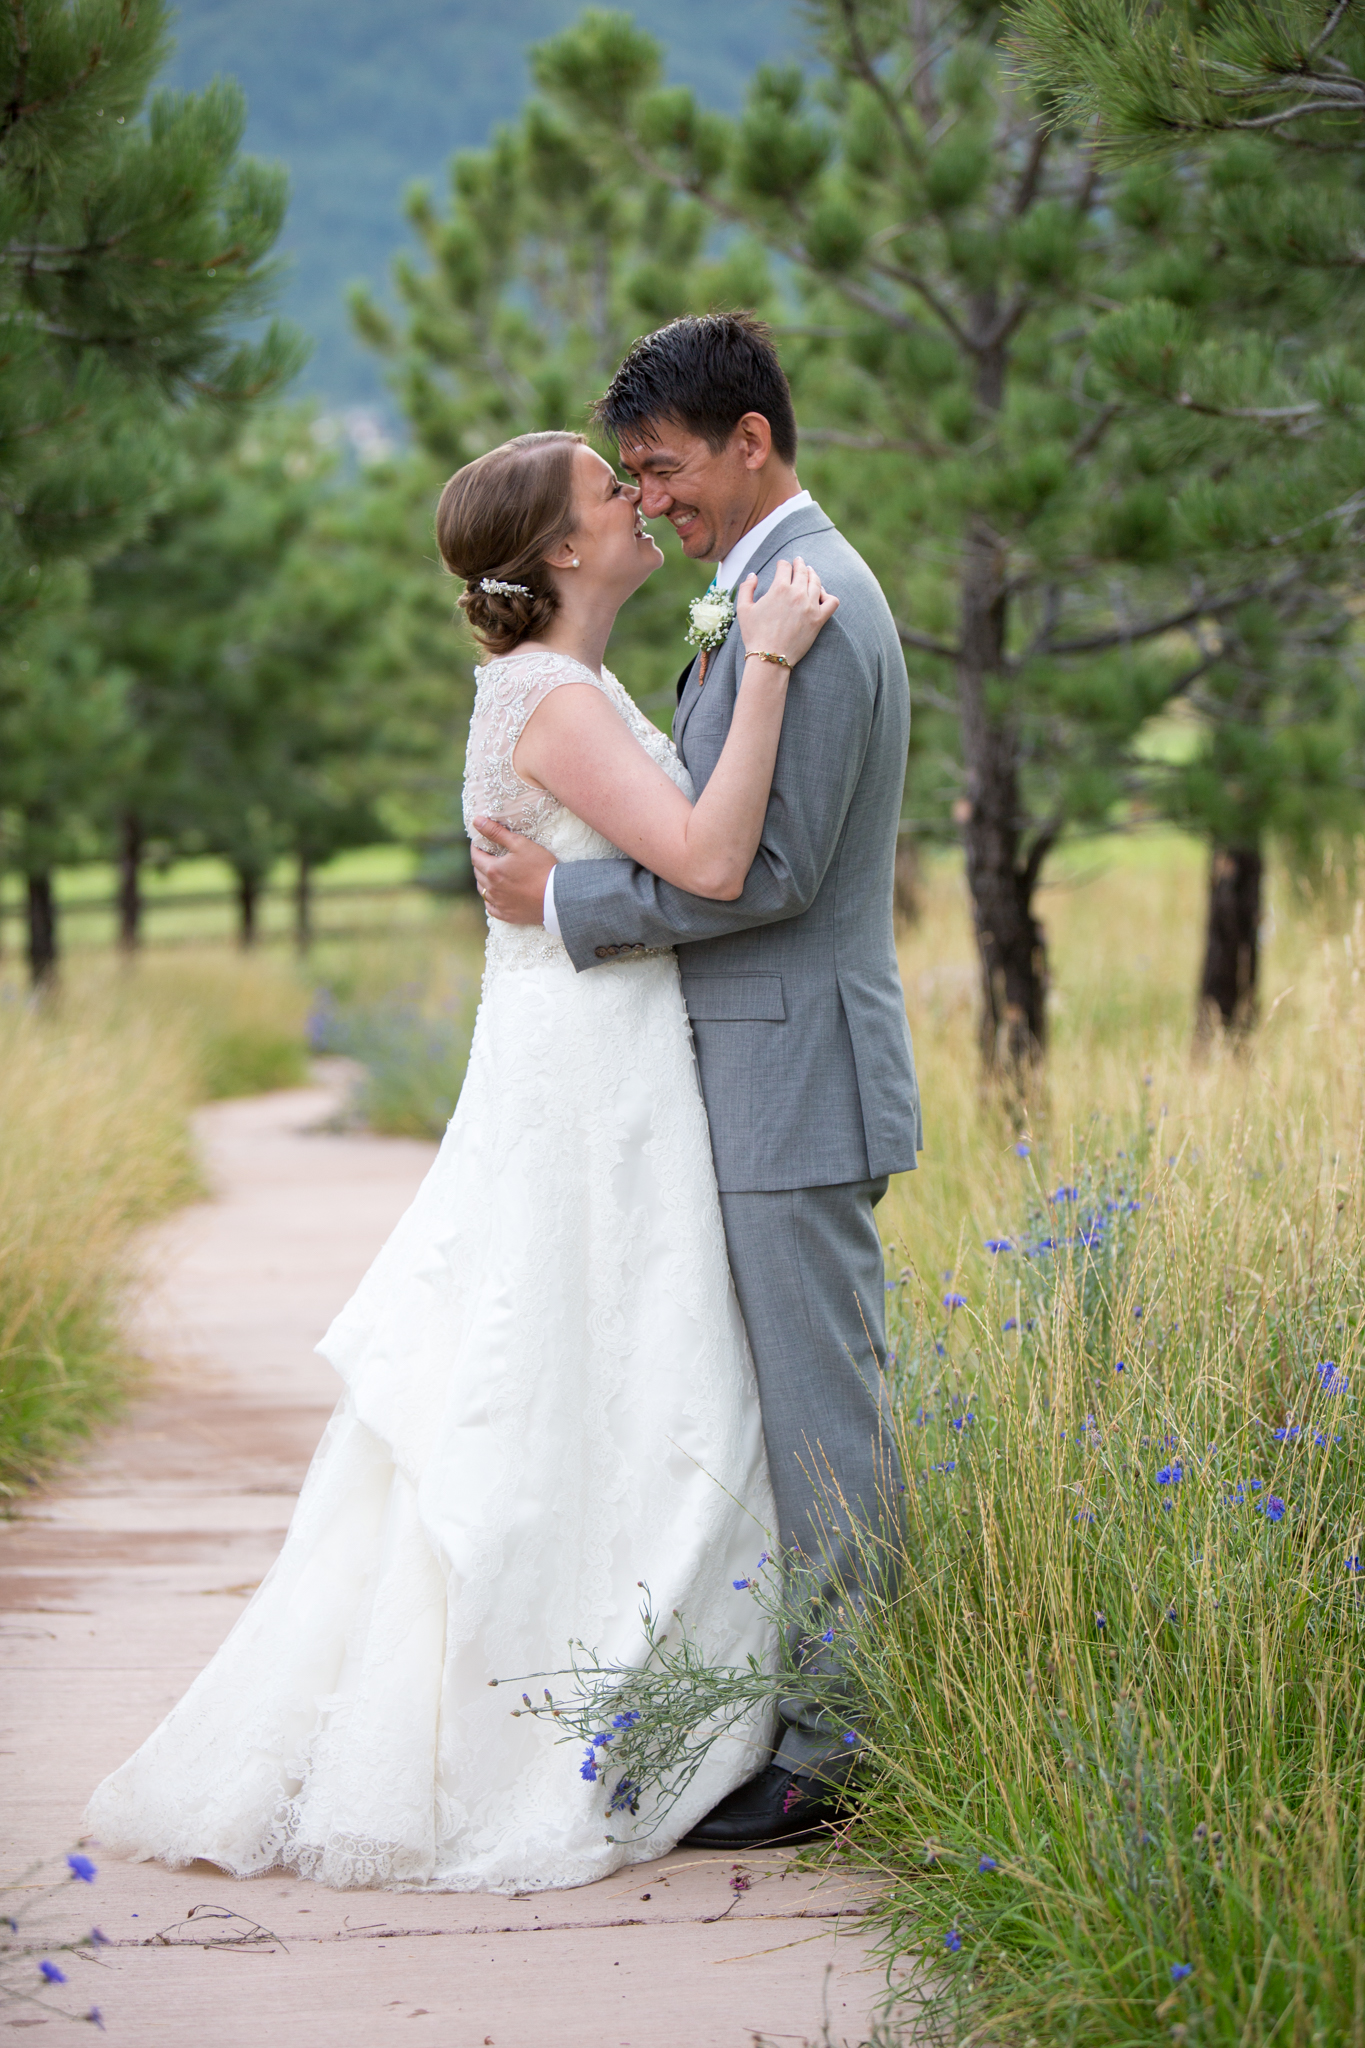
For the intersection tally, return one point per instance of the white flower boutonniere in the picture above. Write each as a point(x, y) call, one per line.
point(711, 615)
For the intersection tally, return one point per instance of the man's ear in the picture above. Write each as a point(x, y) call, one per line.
point(753, 438)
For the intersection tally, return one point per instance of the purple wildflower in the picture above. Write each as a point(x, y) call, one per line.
point(987, 1863)
point(81, 1867)
point(588, 1768)
point(1010, 1323)
point(50, 1974)
point(999, 1244)
point(1022, 1149)
point(1180, 1971)
point(1170, 1475)
point(99, 1940)
point(1273, 1508)
point(952, 1941)
point(94, 2017)
point(742, 1585)
point(849, 1737)
point(954, 1301)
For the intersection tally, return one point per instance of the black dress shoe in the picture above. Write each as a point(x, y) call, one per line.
point(776, 1806)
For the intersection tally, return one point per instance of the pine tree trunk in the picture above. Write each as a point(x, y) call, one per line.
point(303, 906)
point(248, 902)
point(130, 883)
point(42, 930)
point(1001, 879)
point(907, 884)
point(1227, 986)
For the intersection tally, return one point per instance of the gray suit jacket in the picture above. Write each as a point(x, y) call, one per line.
point(793, 989)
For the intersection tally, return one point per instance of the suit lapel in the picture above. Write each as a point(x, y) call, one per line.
point(809, 519)
point(688, 693)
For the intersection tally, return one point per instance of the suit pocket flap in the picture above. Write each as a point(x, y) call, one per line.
point(735, 998)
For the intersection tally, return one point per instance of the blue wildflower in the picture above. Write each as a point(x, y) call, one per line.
point(1065, 1195)
point(1022, 1149)
point(601, 1741)
point(81, 1867)
point(952, 1941)
point(1010, 1323)
point(588, 1768)
point(98, 1940)
point(763, 1554)
point(961, 1421)
point(1101, 1621)
point(1180, 1971)
point(987, 1863)
point(1333, 1382)
point(828, 1636)
point(1353, 1564)
point(850, 1737)
point(1083, 1515)
point(1170, 1475)
point(1119, 1365)
point(742, 1585)
point(999, 1244)
point(1273, 1508)
point(940, 1350)
point(1255, 1484)
point(94, 2017)
point(626, 1797)
point(626, 1720)
point(954, 1301)
point(50, 1974)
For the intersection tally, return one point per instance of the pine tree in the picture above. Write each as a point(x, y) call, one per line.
point(251, 622)
point(1160, 77)
point(1256, 117)
point(954, 257)
point(130, 245)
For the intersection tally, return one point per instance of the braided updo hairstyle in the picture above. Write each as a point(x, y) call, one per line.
point(498, 518)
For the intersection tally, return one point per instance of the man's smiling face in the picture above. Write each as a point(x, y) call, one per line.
point(706, 494)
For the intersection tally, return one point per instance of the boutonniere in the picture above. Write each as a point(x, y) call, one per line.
point(711, 615)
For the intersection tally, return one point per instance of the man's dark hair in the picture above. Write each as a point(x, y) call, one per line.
point(703, 372)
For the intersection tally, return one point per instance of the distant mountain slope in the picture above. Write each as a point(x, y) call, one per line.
point(358, 97)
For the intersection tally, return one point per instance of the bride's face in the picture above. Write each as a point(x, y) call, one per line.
point(609, 538)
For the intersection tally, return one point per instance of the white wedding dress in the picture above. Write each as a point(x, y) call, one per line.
point(548, 1399)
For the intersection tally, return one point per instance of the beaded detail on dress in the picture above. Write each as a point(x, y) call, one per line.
point(507, 692)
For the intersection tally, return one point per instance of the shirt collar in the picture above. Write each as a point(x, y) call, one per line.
point(733, 566)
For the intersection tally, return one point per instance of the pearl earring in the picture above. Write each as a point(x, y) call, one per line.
point(574, 563)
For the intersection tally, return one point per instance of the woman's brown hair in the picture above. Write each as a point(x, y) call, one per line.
point(498, 518)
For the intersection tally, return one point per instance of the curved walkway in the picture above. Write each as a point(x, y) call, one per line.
point(117, 1586)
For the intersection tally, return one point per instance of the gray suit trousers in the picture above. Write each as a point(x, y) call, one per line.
point(808, 1270)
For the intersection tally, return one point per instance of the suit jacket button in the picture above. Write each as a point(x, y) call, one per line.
point(603, 952)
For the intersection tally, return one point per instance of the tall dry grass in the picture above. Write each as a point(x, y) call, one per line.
point(94, 1142)
point(96, 1089)
point(1116, 1710)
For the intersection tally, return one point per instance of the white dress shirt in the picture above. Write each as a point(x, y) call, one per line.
point(729, 572)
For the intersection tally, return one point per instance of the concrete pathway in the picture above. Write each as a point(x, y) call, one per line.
point(117, 1586)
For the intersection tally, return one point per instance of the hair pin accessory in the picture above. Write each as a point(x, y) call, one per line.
point(496, 589)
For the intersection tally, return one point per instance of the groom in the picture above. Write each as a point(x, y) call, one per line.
point(793, 989)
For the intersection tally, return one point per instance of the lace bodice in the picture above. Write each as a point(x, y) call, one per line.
point(507, 692)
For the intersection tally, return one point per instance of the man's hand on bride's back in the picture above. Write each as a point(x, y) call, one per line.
point(512, 881)
point(790, 613)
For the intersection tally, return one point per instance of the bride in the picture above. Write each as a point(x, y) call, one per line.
point(548, 1396)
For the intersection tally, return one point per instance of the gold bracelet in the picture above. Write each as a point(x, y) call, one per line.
point(777, 660)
